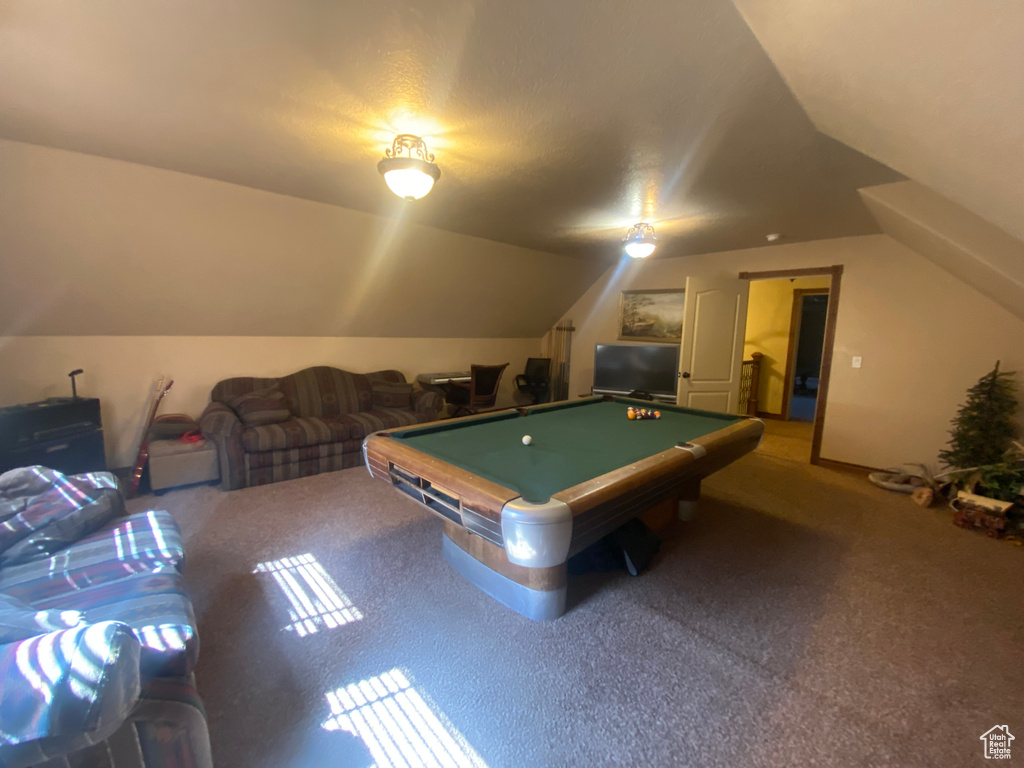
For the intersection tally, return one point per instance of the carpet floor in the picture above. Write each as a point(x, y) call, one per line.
point(804, 617)
point(787, 440)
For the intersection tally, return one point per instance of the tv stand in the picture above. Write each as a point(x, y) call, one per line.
point(664, 399)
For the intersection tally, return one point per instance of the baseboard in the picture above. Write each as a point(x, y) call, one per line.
point(845, 466)
point(774, 416)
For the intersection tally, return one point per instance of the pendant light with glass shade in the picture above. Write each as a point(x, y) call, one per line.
point(408, 168)
point(640, 241)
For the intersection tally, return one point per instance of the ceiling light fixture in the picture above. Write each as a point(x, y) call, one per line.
point(640, 241)
point(412, 175)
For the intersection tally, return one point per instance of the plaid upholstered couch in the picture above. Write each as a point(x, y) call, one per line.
point(308, 422)
point(97, 633)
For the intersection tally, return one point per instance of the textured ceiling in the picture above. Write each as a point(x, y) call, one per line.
point(934, 90)
point(556, 124)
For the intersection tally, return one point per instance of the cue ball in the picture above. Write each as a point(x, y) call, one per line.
point(527, 439)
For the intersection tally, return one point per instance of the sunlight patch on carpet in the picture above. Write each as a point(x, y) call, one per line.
point(316, 601)
point(397, 725)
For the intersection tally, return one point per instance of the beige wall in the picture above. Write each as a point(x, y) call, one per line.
point(92, 246)
point(924, 336)
point(122, 370)
point(769, 316)
point(129, 272)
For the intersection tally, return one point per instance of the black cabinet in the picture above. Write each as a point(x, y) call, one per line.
point(63, 433)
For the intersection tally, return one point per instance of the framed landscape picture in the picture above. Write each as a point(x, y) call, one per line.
point(652, 315)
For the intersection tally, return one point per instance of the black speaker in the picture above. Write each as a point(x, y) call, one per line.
point(63, 433)
point(71, 455)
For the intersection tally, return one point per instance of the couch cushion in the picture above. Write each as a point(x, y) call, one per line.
point(225, 390)
point(155, 604)
point(136, 543)
point(171, 426)
point(391, 394)
point(366, 423)
point(24, 483)
point(324, 392)
point(264, 406)
point(389, 376)
point(68, 508)
point(295, 433)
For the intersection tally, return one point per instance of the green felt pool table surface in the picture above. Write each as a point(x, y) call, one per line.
point(572, 442)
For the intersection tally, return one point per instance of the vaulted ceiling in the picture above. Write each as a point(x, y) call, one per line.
point(934, 90)
point(556, 124)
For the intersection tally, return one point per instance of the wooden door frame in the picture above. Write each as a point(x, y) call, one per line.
point(836, 273)
point(795, 323)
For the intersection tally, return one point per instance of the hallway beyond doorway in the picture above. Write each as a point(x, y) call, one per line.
point(768, 333)
point(789, 440)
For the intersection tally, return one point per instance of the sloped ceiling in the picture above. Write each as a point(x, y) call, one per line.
point(964, 244)
point(556, 124)
point(97, 247)
point(934, 90)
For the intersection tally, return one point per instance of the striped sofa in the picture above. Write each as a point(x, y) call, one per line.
point(306, 423)
point(98, 637)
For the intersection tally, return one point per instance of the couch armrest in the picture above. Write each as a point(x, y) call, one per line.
point(218, 420)
point(223, 428)
point(66, 690)
point(427, 404)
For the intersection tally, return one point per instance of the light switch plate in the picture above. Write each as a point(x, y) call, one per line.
point(857, 359)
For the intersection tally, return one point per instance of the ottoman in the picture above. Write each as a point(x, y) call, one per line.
point(173, 464)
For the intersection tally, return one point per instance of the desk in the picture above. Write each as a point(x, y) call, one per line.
point(434, 382)
point(514, 514)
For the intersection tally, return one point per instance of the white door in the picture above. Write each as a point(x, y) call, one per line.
point(711, 358)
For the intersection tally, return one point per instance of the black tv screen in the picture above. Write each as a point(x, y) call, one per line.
point(626, 367)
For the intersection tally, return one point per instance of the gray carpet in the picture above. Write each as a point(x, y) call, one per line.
point(805, 617)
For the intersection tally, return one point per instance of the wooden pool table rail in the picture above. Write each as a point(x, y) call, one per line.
point(598, 505)
point(604, 503)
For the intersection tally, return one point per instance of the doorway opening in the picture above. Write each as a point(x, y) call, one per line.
point(806, 339)
point(791, 320)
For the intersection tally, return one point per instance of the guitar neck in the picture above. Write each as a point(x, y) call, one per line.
point(142, 457)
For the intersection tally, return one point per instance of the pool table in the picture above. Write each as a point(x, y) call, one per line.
point(515, 513)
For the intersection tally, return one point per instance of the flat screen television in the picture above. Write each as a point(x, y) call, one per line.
point(622, 368)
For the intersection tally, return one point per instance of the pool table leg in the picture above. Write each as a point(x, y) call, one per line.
point(537, 593)
point(688, 498)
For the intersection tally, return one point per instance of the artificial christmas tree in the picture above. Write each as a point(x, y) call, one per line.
point(983, 429)
point(988, 470)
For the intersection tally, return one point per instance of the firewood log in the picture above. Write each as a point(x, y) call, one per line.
point(923, 497)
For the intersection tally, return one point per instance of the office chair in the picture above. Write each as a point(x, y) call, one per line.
point(536, 380)
point(481, 391)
